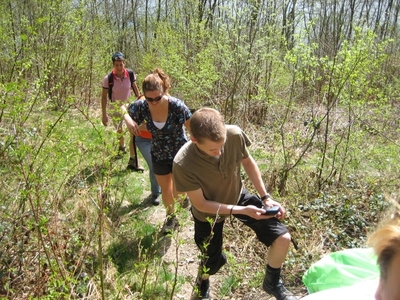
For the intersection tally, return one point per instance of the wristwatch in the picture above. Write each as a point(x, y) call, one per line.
point(266, 196)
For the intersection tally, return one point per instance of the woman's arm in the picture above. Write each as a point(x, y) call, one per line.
point(104, 95)
point(187, 125)
point(133, 127)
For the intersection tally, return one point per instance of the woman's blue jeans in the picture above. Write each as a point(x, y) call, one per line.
point(144, 146)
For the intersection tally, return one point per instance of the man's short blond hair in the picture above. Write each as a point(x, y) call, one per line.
point(207, 124)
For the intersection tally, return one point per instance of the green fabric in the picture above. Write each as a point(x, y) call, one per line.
point(342, 268)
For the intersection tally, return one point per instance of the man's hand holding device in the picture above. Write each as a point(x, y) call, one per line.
point(271, 210)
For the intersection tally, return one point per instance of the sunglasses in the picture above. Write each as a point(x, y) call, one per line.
point(118, 56)
point(153, 99)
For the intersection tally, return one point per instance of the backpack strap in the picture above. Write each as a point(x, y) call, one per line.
point(132, 78)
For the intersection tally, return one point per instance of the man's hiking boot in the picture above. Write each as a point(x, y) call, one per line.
point(203, 289)
point(273, 285)
point(221, 263)
point(121, 152)
point(133, 166)
point(171, 223)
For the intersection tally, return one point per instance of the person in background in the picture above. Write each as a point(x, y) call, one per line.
point(164, 117)
point(122, 87)
point(208, 169)
point(386, 243)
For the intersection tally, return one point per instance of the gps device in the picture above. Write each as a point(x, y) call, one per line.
point(272, 210)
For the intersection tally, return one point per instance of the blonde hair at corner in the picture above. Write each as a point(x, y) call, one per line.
point(386, 242)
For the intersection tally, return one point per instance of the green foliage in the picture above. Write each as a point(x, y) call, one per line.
point(230, 283)
point(192, 72)
point(321, 107)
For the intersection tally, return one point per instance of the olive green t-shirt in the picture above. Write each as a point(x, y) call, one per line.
point(219, 178)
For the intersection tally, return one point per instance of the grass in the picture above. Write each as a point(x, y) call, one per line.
point(63, 191)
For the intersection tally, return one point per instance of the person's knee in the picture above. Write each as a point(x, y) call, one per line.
point(283, 241)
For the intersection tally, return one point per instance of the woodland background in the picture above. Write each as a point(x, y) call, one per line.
point(315, 84)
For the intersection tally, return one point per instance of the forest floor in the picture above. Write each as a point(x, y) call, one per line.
point(187, 259)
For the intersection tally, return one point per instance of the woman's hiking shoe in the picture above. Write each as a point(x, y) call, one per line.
point(171, 223)
point(155, 199)
point(133, 166)
point(185, 203)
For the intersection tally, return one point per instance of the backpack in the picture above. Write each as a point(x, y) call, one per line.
point(111, 81)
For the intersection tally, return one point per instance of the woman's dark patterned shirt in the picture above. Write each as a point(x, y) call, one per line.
point(166, 141)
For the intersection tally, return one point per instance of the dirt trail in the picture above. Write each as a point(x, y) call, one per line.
point(186, 256)
point(188, 262)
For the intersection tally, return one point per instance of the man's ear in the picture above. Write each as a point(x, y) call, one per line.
point(193, 139)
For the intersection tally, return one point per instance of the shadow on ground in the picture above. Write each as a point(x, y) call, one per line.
point(127, 253)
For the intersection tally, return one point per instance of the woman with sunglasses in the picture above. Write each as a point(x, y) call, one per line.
point(164, 116)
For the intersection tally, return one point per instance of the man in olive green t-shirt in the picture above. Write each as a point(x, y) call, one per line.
point(208, 169)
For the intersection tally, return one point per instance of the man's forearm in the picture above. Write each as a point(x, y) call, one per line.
point(104, 105)
point(254, 175)
point(136, 90)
